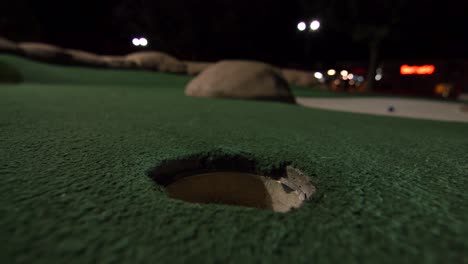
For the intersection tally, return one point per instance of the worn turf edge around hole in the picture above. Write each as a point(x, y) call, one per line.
point(217, 160)
point(172, 172)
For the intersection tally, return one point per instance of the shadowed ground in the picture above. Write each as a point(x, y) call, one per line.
point(76, 145)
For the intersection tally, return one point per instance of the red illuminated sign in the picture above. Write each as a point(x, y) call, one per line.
point(420, 70)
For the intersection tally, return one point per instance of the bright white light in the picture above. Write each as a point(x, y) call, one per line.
point(378, 77)
point(136, 42)
point(331, 72)
point(301, 26)
point(350, 76)
point(143, 42)
point(314, 25)
point(344, 73)
point(318, 75)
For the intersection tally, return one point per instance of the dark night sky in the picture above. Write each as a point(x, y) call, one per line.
point(428, 29)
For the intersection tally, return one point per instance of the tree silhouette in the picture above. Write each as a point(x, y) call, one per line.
point(367, 22)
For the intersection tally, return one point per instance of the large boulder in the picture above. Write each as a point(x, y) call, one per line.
point(196, 67)
point(241, 79)
point(7, 46)
point(79, 57)
point(300, 78)
point(157, 61)
point(44, 52)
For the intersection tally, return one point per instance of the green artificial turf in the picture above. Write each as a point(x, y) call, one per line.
point(9, 73)
point(36, 72)
point(76, 146)
point(303, 91)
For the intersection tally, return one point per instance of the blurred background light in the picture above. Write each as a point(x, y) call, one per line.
point(136, 42)
point(301, 26)
point(143, 42)
point(314, 25)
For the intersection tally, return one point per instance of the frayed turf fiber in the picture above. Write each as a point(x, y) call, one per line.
point(76, 146)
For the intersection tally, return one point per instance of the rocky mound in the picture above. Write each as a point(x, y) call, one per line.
point(79, 57)
point(8, 46)
point(45, 52)
point(241, 79)
point(297, 77)
point(157, 61)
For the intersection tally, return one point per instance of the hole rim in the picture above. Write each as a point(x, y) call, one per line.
point(171, 171)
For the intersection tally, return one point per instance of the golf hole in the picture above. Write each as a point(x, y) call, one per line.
point(235, 181)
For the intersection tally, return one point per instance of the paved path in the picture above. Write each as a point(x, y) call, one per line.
point(413, 108)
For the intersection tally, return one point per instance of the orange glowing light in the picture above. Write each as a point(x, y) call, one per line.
point(420, 70)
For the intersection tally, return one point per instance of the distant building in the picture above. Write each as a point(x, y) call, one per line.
point(446, 78)
point(441, 78)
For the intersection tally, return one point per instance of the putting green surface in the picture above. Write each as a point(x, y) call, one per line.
point(76, 146)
